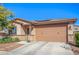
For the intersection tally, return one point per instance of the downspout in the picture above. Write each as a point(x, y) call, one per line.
point(67, 33)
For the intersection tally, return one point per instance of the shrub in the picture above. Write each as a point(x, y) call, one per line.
point(77, 38)
point(1, 41)
point(15, 39)
point(8, 40)
point(28, 40)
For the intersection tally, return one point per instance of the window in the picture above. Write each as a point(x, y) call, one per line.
point(13, 31)
point(76, 28)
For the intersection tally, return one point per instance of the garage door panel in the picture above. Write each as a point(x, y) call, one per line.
point(51, 33)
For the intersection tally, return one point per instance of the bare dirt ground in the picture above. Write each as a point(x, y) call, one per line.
point(75, 50)
point(9, 46)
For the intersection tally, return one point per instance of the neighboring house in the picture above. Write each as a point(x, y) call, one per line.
point(48, 30)
point(76, 28)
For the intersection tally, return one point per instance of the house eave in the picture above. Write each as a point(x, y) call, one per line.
point(67, 21)
point(45, 22)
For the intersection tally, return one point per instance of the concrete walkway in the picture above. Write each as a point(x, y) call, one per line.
point(42, 48)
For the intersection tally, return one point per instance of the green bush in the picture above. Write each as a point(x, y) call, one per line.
point(28, 40)
point(77, 38)
point(8, 40)
point(1, 41)
point(15, 39)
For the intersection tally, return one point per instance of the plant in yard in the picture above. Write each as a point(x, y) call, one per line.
point(10, 27)
point(77, 38)
point(15, 39)
point(5, 15)
point(5, 18)
point(8, 40)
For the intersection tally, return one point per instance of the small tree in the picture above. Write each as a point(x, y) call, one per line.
point(5, 19)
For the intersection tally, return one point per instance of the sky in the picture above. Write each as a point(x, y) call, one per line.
point(44, 11)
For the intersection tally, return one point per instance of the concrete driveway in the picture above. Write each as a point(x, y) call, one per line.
point(42, 48)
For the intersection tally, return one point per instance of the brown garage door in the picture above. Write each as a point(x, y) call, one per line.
point(55, 33)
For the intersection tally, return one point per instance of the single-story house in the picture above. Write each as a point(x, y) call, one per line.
point(53, 30)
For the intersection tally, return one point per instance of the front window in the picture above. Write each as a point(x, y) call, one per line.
point(13, 31)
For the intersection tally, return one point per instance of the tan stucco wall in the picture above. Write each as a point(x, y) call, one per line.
point(71, 29)
point(19, 29)
point(32, 37)
point(71, 33)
